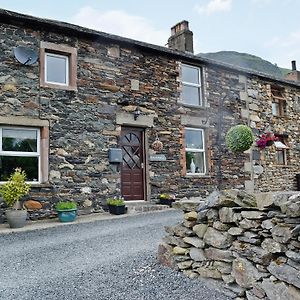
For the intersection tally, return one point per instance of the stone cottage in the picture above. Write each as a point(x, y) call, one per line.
point(98, 115)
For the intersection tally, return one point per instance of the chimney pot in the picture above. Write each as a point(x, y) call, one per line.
point(294, 68)
point(181, 37)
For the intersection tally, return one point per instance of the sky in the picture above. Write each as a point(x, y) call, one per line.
point(269, 29)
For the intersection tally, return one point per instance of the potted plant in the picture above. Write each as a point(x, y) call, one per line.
point(239, 138)
point(12, 191)
point(166, 199)
point(266, 139)
point(66, 211)
point(116, 206)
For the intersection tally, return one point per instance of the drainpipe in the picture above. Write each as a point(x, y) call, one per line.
point(219, 139)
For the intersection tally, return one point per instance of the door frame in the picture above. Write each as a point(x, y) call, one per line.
point(145, 160)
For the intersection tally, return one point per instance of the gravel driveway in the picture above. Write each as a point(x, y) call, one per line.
point(110, 259)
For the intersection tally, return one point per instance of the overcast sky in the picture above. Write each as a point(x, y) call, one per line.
point(266, 28)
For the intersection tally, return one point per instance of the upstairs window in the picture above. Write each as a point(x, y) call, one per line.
point(56, 69)
point(195, 151)
point(281, 146)
point(20, 148)
point(58, 66)
point(192, 85)
point(278, 102)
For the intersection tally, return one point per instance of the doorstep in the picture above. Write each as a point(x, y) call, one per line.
point(133, 208)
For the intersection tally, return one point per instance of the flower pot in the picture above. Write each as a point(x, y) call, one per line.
point(16, 218)
point(67, 215)
point(165, 201)
point(117, 210)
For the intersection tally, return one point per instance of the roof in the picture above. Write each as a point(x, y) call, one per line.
point(14, 18)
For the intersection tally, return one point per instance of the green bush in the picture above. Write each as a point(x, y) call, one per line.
point(65, 205)
point(115, 201)
point(16, 187)
point(164, 196)
point(239, 138)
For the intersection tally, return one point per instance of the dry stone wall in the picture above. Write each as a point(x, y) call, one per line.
point(248, 242)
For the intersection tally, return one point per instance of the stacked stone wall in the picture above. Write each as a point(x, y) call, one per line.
point(248, 242)
point(83, 126)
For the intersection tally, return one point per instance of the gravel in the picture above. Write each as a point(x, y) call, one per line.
point(110, 259)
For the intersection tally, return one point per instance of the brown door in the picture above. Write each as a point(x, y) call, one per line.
point(132, 167)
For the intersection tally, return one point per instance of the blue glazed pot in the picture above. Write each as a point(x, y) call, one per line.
point(67, 215)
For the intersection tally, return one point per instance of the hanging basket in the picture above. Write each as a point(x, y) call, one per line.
point(157, 145)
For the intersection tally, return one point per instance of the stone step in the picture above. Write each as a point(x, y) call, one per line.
point(142, 206)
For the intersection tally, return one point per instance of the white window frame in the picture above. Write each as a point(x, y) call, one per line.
point(195, 150)
point(67, 66)
point(199, 86)
point(24, 154)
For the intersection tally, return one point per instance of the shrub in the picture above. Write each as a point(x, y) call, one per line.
point(115, 201)
point(65, 205)
point(16, 187)
point(239, 138)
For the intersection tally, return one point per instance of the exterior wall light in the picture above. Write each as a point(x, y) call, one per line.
point(136, 113)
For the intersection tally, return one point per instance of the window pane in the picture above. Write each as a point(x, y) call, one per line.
point(56, 68)
point(275, 109)
point(28, 164)
point(191, 95)
point(194, 139)
point(19, 140)
point(195, 162)
point(190, 74)
point(280, 157)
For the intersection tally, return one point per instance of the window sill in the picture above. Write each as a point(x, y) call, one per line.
point(282, 166)
point(197, 176)
point(59, 87)
point(41, 185)
point(194, 106)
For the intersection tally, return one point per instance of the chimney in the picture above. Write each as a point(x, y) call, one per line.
point(294, 75)
point(181, 37)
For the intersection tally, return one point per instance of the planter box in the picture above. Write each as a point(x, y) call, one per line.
point(117, 210)
point(67, 215)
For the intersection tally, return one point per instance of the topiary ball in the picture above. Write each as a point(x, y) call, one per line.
point(239, 138)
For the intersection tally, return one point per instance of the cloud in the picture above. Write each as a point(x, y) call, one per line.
point(285, 48)
point(120, 23)
point(214, 6)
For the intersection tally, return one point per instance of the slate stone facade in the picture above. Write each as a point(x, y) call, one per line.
point(114, 76)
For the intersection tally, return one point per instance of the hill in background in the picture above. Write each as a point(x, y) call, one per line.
point(247, 61)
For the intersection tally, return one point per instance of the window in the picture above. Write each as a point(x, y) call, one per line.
point(278, 102)
point(281, 149)
point(191, 86)
point(56, 69)
point(20, 147)
point(58, 66)
point(195, 151)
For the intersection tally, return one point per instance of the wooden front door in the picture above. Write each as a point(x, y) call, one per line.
point(132, 167)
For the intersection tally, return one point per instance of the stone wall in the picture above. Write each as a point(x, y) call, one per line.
point(112, 76)
point(248, 242)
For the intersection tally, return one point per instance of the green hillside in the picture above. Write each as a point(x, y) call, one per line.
point(247, 61)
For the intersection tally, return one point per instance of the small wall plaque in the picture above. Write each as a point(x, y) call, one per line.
point(157, 157)
point(115, 155)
